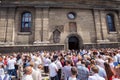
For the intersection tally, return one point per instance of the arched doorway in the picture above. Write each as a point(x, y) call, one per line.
point(73, 43)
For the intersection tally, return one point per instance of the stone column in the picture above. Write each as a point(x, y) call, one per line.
point(118, 27)
point(119, 22)
point(45, 24)
point(10, 25)
point(38, 24)
point(104, 29)
point(3, 13)
point(98, 25)
point(7, 25)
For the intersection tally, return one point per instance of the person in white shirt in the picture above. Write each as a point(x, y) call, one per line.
point(39, 70)
point(95, 75)
point(3, 76)
point(118, 57)
point(101, 61)
point(59, 66)
point(46, 61)
point(20, 68)
point(11, 67)
point(28, 72)
point(53, 71)
point(35, 73)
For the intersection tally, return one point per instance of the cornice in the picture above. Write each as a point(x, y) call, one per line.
point(84, 4)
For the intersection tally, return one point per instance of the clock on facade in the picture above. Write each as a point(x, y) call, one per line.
point(71, 15)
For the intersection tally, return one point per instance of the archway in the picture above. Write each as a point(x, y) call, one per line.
point(73, 43)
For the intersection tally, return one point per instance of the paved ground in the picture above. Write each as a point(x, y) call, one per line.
point(45, 76)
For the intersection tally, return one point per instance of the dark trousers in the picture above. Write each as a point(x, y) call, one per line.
point(59, 74)
point(46, 70)
point(54, 78)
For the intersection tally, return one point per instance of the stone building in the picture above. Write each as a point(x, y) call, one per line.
point(59, 24)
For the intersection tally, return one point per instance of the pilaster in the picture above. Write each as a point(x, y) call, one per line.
point(3, 14)
point(10, 25)
point(119, 21)
point(98, 26)
point(45, 24)
point(38, 24)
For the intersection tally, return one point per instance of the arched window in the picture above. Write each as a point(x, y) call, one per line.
point(110, 22)
point(56, 36)
point(26, 22)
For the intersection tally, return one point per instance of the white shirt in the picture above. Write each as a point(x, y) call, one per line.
point(70, 78)
point(95, 77)
point(11, 64)
point(115, 58)
point(1, 71)
point(52, 69)
point(118, 57)
point(20, 62)
point(27, 77)
point(58, 63)
point(47, 61)
point(2, 76)
point(111, 65)
point(39, 59)
point(101, 62)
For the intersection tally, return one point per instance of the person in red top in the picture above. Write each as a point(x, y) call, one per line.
point(5, 61)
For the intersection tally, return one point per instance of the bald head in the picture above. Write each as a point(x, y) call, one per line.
point(28, 70)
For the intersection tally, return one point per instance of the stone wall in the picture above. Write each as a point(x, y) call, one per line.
point(90, 22)
point(33, 48)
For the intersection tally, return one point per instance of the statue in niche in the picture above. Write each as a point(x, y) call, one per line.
point(56, 36)
point(58, 27)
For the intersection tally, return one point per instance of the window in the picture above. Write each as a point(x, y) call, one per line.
point(71, 15)
point(56, 36)
point(110, 23)
point(26, 22)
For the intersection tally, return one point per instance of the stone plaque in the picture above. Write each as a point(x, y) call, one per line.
point(72, 27)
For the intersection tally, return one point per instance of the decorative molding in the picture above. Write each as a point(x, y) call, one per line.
point(58, 27)
point(103, 41)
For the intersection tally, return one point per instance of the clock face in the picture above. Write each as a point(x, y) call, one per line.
point(71, 15)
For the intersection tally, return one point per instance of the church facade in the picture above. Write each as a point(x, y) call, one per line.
point(60, 24)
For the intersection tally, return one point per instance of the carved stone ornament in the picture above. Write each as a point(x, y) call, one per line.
point(58, 27)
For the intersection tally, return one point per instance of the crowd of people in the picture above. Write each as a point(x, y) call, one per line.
point(92, 64)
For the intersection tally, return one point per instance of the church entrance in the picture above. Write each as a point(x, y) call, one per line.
point(73, 43)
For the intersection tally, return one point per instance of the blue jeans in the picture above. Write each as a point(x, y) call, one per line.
point(12, 72)
point(115, 63)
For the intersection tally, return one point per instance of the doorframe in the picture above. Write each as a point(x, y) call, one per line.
point(76, 41)
point(77, 36)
